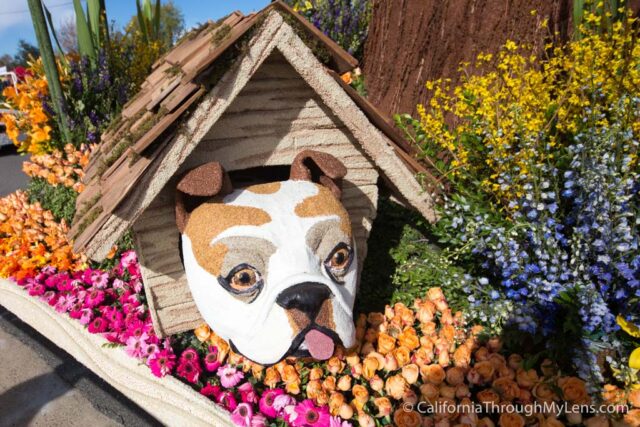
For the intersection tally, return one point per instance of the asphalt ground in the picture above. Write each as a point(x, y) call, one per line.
point(40, 384)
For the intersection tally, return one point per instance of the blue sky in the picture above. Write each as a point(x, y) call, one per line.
point(15, 21)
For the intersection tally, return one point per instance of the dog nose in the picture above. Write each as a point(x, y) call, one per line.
point(306, 297)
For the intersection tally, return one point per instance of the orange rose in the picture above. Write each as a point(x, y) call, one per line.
point(445, 408)
point(442, 350)
point(597, 421)
point(488, 396)
point(371, 335)
point(336, 399)
point(509, 419)
point(548, 368)
point(462, 356)
point(505, 371)
point(462, 390)
point(403, 418)
point(314, 387)
point(376, 383)
point(375, 319)
point(402, 355)
point(455, 376)
point(315, 374)
point(272, 377)
point(292, 388)
point(551, 422)
point(446, 318)
point(409, 338)
point(527, 379)
point(632, 418)
point(485, 369)
point(497, 360)
point(434, 373)
point(383, 405)
point(428, 329)
point(390, 362)
point(514, 361)
point(395, 386)
point(335, 365)
point(507, 388)
point(426, 311)
point(329, 383)
point(386, 343)
point(544, 393)
point(360, 393)
point(352, 359)
point(634, 398)
point(447, 391)
point(410, 373)
point(365, 420)
point(257, 371)
point(422, 356)
point(405, 313)
point(481, 354)
point(369, 367)
point(429, 392)
point(367, 348)
point(344, 383)
point(346, 411)
point(202, 332)
point(573, 390)
point(486, 422)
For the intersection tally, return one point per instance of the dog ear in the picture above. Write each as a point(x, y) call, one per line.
point(207, 180)
point(315, 166)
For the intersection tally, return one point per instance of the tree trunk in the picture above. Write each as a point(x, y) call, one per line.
point(413, 41)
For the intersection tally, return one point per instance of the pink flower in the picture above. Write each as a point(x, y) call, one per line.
point(228, 400)
point(128, 258)
point(94, 298)
point(248, 393)
point(229, 376)
point(211, 360)
point(36, 289)
point(162, 362)
point(190, 355)
point(99, 279)
point(211, 391)
point(98, 325)
point(85, 316)
point(64, 303)
point(189, 370)
point(337, 422)
point(242, 415)
point(50, 297)
point(267, 400)
point(258, 420)
point(309, 415)
point(135, 346)
point(149, 349)
point(282, 401)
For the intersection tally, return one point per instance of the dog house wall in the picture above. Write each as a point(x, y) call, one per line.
point(275, 116)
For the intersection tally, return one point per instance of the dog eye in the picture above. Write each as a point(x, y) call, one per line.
point(339, 261)
point(244, 279)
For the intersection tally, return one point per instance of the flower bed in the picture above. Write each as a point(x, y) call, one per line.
point(404, 356)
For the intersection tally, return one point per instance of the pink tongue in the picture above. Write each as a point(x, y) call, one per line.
point(320, 346)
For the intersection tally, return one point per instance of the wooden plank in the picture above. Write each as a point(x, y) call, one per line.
point(178, 95)
point(162, 91)
point(342, 61)
point(167, 399)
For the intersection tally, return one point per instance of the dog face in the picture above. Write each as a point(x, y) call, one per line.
point(273, 270)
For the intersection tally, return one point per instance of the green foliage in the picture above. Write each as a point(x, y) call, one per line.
point(608, 12)
point(26, 52)
point(169, 26)
point(92, 28)
point(148, 19)
point(60, 200)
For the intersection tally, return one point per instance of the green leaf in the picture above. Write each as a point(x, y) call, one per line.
point(93, 15)
point(85, 42)
point(62, 58)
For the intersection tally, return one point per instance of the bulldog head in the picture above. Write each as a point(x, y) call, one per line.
point(271, 267)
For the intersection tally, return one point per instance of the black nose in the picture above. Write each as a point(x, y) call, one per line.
point(306, 297)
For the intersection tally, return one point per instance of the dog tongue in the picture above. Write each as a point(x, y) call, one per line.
point(320, 345)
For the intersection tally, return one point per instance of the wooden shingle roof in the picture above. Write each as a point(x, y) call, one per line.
point(177, 81)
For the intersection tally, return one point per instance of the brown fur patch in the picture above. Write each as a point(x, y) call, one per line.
point(297, 319)
point(325, 316)
point(268, 188)
point(209, 220)
point(324, 203)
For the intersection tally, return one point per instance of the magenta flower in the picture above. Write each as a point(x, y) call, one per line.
point(85, 316)
point(190, 355)
point(99, 279)
point(211, 360)
point(229, 376)
point(211, 391)
point(162, 362)
point(189, 370)
point(248, 393)
point(98, 325)
point(228, 400)
point(310, 415)
point(267, 400)
point(242, 415)
point(282, 401)
point(94, 298)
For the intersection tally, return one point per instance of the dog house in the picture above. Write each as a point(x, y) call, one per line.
point(249, 92)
